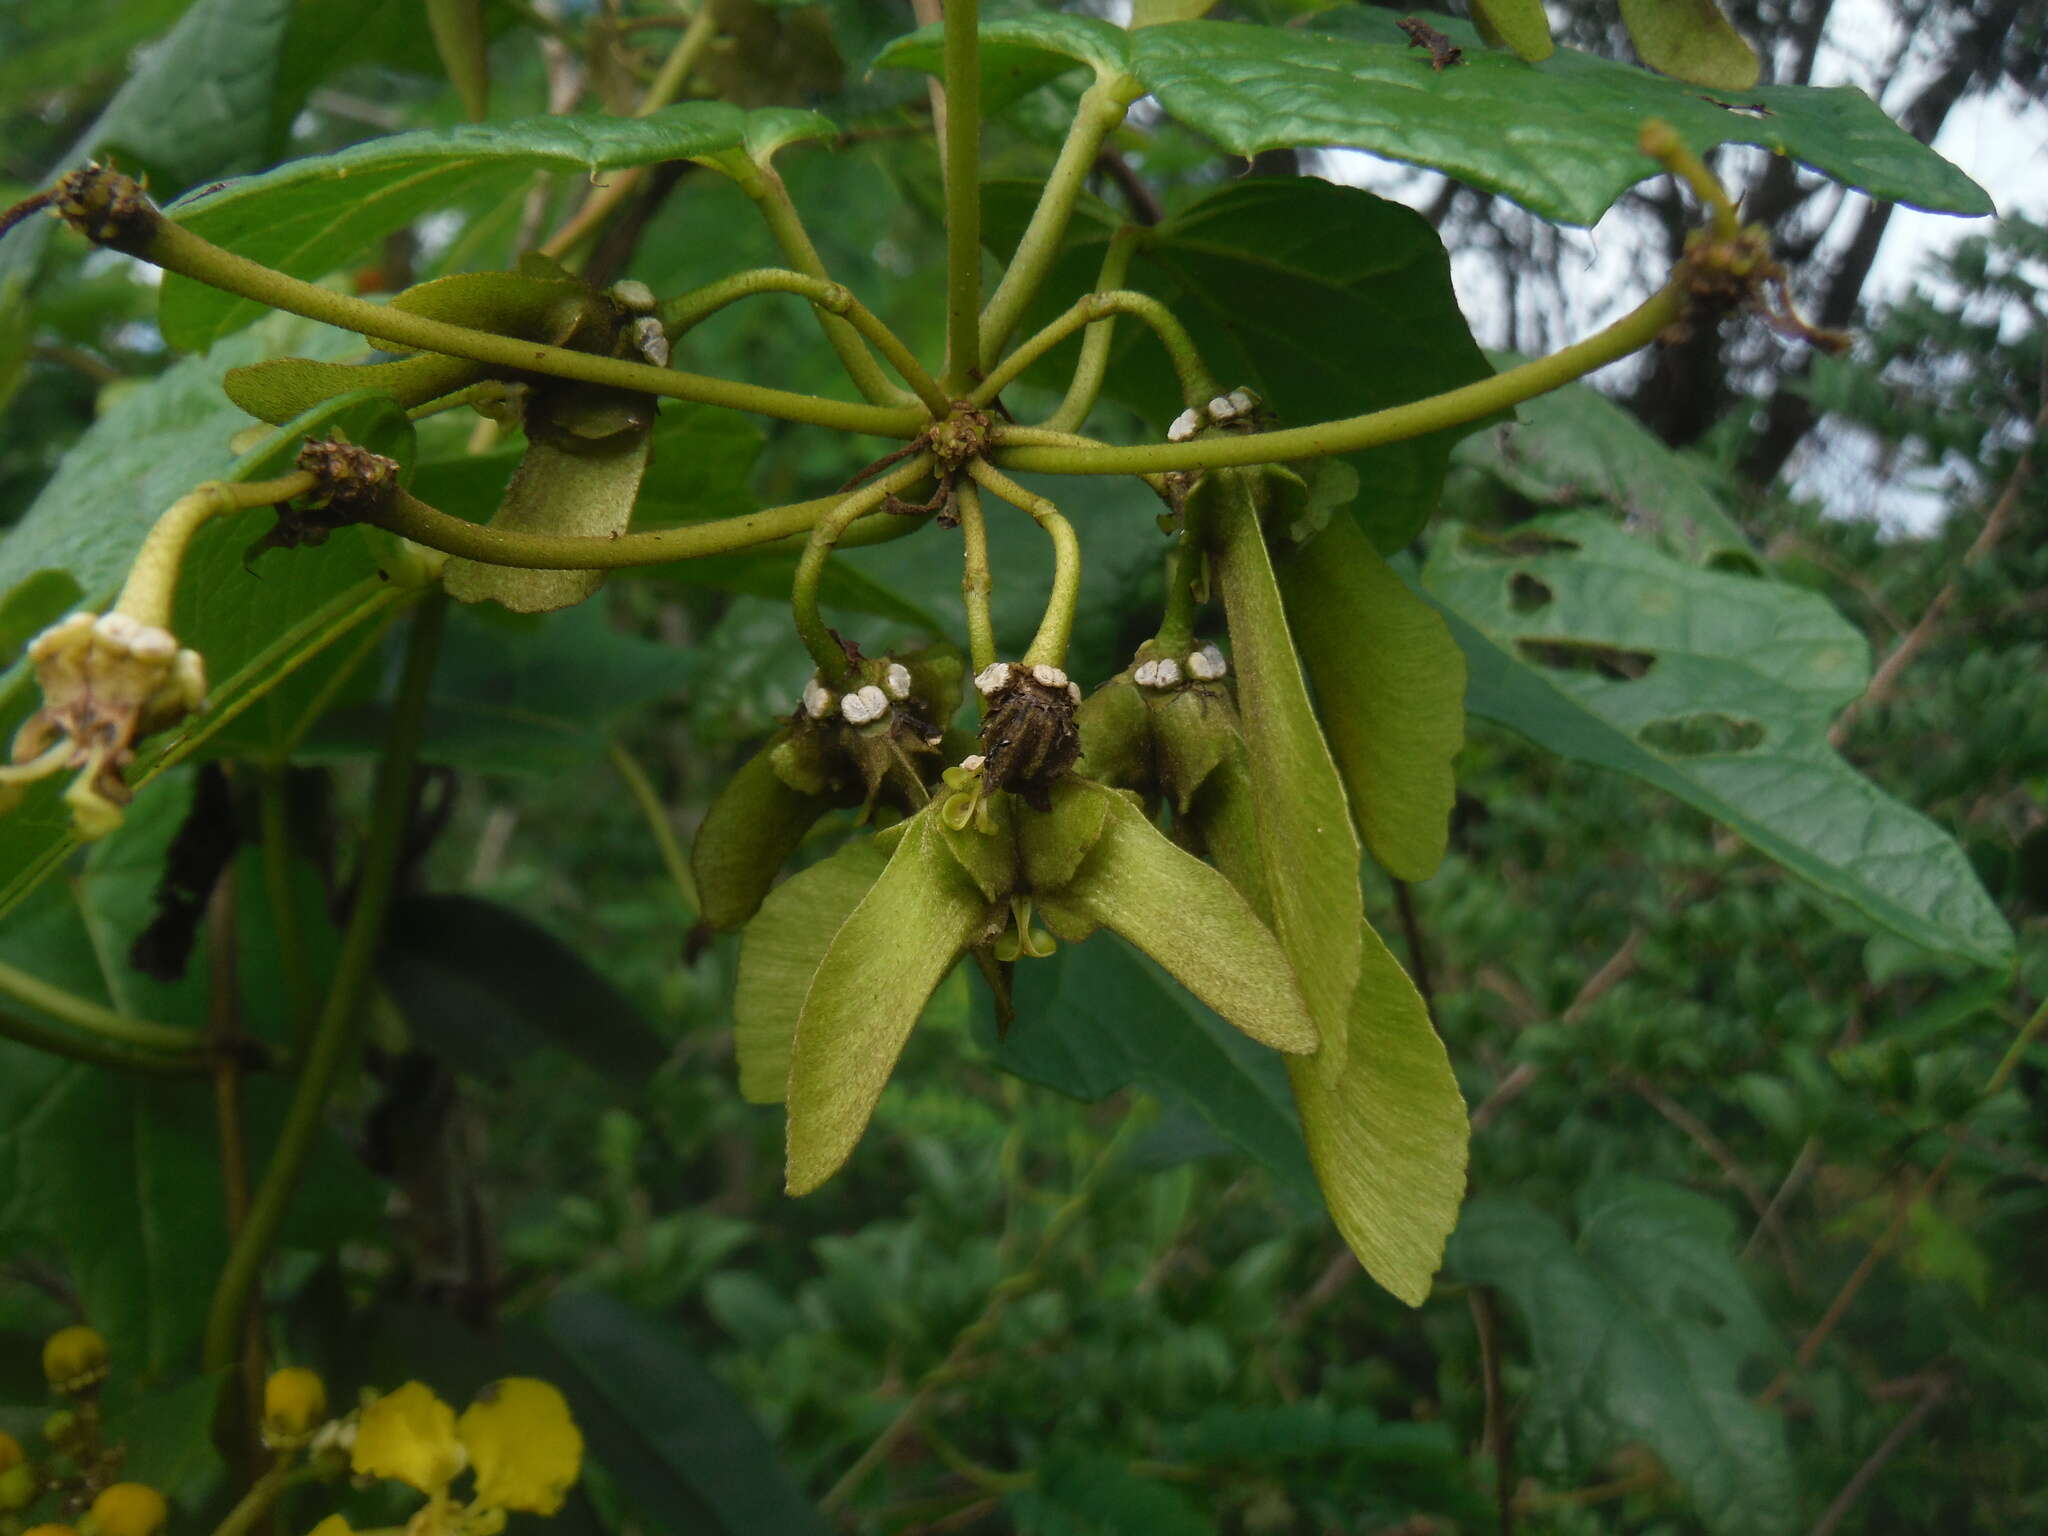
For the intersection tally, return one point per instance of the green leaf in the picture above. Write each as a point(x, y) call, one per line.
point(126, 1177)
point(872, 984)
point(1713, 687)
point(531, 697)
point(1638, 1332)
point(1692, 40)
point(1326, 300)
point(1088, 1493)
point(1388, 1135)
point(277, 391)
point(1150, 13)
point(1098, 1016)
point(1517, 24)
point(483, 985)
point(1557, 137)
point(1574, 447)
point(1183, 914)
point(781, 951)
point(253, 626)
point(682, 1448)
point(1020, 53)
point(1390, 688)
point(313, 215)
point(1307, 845)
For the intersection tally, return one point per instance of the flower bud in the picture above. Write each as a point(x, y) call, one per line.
point(75, 1360)
point(60, 1429)
point(10, 1452)
point(50, 1530)
point(127, 1509)
point(294, 1403)
point(19, 1486)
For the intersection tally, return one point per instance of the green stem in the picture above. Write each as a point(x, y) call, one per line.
point(334, 1036)
point(765, 187)
point(176, 249)
point(255, 1504)
point(644, 795)
point(273, 821)
point(1455, 407)
point(1196, 385)
point(811, 627)
point(688, 52)
point(1176, 633)
point(976, 581)
point(963, 192)
point(415, 520)
point(1089, 373)
point(1661, 142)
point(1049, 646)
point(153, 576)
point(680, 314)
point(59, 1042)
point(94, 1018)
point(1102, 107)
point(2009, 1063)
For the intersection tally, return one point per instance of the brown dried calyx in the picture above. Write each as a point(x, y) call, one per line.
point(348, 483)
point(1029, 739)
point(1722, 271)
point(107, 207)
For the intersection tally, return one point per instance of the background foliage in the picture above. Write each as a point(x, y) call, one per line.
point(1710, 1088)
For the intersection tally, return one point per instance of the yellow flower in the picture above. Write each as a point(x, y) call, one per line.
point(526, 1449)
point(10, 1451)
point(294, 1403)
point(518, 1435)
point(333, 1525)
point(127, 1509)
point(409, 1436)
point(74, 1359)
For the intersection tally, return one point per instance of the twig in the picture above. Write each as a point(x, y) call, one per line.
point(1864, 1475)
point(1617, 968)
point(1145, 205)
point(1885, 681)
point(1335, 1276)
point(1795, 1179)
point(1499, 1436)
point(1724, 1159)
point(1418, 956)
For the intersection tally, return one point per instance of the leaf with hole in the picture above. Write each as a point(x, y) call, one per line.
point(1713, 687)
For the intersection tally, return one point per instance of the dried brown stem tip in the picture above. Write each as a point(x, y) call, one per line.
point(348, 484)
point(107, 207)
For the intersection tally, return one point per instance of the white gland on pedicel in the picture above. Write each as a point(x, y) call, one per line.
point(1185, 426)
point(973, 763)
point(818, 699)
point(896, 681)
point(1242, 401)
point(1223, 408)
point(1073, 693)
point(652, 340)
point(1164, 672)
point(117, 628)
point(866, 705)
point(1207, 664)
point(633, 295)
point(1049, 677)
point(992, 679)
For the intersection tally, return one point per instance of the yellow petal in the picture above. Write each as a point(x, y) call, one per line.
point(409, 1436)
point(526, 1449)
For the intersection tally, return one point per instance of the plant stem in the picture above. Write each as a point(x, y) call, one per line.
point(970, 1338)
point(335, 1034)
point(976, 581)
point(829, 298)
point(811, 627)
point(1086, 386)
point(644, 795)
point(1176, 633)
point(1196, 385)
point(153, 577)
point(87, 1048)
point(1049, 646)
point(1101, 108)
point(963, 193)
point(93, 1018)
point(765, 186)
point(255, 1504)
point(666, 86)
point(1635, 330)
point(176, 249)
point(415, 520)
